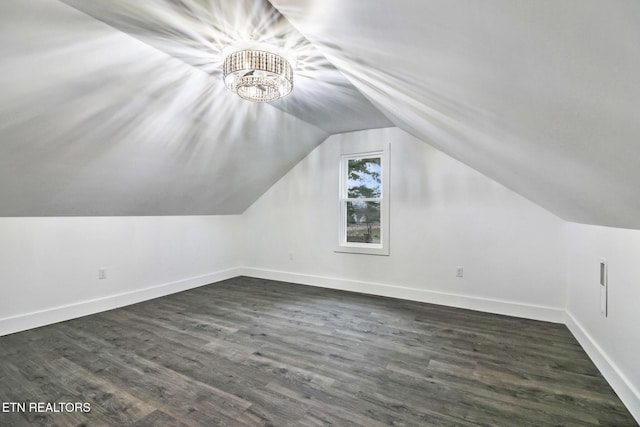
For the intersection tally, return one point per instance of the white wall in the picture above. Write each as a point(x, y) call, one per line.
point(518, 258)
point(613, 342)
point(49, 266)
point(443, 214)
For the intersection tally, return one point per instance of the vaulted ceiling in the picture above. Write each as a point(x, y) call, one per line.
point(116, 107)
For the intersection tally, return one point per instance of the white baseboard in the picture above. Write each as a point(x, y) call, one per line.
point(548, 314)
point(49, 316)
point(625, 390)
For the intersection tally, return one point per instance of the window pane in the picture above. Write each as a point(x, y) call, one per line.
point(364, 179)
point(363, 222)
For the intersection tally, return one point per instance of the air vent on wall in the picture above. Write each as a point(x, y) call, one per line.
point(604, 285)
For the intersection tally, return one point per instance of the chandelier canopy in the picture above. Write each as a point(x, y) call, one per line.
point(258, 75)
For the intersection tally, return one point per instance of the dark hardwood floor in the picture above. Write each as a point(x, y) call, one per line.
point(257, 352)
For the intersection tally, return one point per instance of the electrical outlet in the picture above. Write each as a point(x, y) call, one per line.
point(102, 273)
point(459, 271)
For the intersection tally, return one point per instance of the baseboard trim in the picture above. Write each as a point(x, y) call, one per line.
point(49, 316)
point(548, 314)
point(625, 390)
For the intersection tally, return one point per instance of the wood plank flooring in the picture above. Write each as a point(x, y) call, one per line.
point(248, 352)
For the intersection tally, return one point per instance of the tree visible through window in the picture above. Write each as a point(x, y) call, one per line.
point(364, 203)
point(363, 200)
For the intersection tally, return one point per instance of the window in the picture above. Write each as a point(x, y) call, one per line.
point(364, 223)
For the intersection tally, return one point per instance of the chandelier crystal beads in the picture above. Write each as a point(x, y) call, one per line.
point(258, 75)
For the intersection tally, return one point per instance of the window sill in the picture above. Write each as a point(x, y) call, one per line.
point(363, 249)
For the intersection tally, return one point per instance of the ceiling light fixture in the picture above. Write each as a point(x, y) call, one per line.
point(258, 75)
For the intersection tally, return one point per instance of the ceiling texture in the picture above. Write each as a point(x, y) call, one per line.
point(117, 107)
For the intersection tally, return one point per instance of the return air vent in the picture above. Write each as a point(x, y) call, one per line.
point(604, 286)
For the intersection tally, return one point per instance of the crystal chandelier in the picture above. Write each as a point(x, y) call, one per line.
point(258, 75)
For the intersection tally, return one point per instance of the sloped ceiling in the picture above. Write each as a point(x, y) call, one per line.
point(115, 107)
point(127, 115)
point(542, 96)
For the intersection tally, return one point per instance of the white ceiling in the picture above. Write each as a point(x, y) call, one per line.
point(97, 122)
point(542, 96)
point(197, 31)
point(116, 107)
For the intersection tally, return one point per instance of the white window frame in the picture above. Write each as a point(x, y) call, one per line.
point(381, 248)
